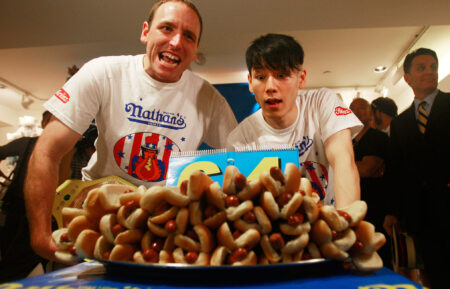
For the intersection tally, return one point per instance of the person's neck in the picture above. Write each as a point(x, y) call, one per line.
point(363, 132)
point(385, 121)
point(281, 122)
point(421, 94)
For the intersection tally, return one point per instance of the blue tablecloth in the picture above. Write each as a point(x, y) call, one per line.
point(91, 275)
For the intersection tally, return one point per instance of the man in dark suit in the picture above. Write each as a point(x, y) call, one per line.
point(419, 167)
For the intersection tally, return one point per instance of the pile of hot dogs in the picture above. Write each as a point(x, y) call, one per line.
point(275, 219)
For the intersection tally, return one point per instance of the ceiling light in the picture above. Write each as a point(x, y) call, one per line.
point(380, 69)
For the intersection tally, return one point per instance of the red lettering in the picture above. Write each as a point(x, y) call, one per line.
point(342, 110)
point(62, 95)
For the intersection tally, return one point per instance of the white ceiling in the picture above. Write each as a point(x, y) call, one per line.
point(343, 41)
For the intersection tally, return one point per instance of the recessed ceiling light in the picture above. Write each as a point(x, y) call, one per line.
point(380, 69)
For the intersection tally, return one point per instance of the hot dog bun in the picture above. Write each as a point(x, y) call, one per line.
point(61, 239)
point(277, 218)
point(198, 184)
point(102, 248)
point(367, 262)
point(122, 252)
point(293, 178)
point(333, 219)
point(78, 224)
point(85, 243)
point(357, 211)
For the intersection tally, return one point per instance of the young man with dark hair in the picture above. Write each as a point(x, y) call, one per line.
point(150, 99)
point(419, 173)
point(315, 121)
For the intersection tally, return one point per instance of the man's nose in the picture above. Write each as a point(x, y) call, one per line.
point(175, 40)
point(271, 84)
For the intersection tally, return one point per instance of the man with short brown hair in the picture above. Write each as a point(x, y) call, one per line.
point(148, 100)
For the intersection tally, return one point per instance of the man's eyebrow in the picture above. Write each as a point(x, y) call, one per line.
point(186, 31)
point(166, 23)
point(191, 33)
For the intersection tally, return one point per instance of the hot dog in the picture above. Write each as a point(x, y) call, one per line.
point(191, 257)
point(371, 240)
point(85, 243)
point(109, 195)
point(131, 216)
point(61, 239)
point(68, 214)
point(277, 218)
point(229, 184)
point(255, 219)
point(204, 244)
point(122, 252)
point(333, 218)
point(270, 184)
point(102, 248)
point(78, 224)
point(107, 223)
point(247, 239)
point(198, 184)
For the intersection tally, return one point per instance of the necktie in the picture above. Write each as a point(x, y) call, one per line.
point(422, 117)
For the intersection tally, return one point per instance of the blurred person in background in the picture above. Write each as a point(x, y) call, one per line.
point(17, 258)
point(371, 153)
point(384, 110)
point(419, 175)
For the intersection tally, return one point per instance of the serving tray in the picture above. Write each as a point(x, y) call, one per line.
point(226, 273)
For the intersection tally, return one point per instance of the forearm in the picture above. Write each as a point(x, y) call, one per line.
point(41, 183)
point(40, 188)
point(339, 151)
point(370, 167)
point(346, 184)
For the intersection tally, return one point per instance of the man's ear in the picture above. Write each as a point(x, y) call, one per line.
point(302, 78)
point(250, 87)
point(406, 78)
point(144, 33)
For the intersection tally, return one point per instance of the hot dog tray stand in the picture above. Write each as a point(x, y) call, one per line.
point(327, 274)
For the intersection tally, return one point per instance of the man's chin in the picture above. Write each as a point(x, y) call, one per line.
point(167, 76)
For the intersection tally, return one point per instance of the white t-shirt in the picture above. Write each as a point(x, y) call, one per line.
point(138, 117)
point(321, 114)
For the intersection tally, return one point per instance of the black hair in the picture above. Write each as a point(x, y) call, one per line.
point(45, 113)
point(276, 52)
point(410, 57)
point(385, 105)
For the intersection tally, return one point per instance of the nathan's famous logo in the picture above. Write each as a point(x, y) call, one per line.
point(145, 156)
point(62, 95)
point(154, 117)
point(304, 145)
point(342, 110)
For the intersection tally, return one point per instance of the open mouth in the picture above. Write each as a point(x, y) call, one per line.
point(169, 59)
point(272, 101)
